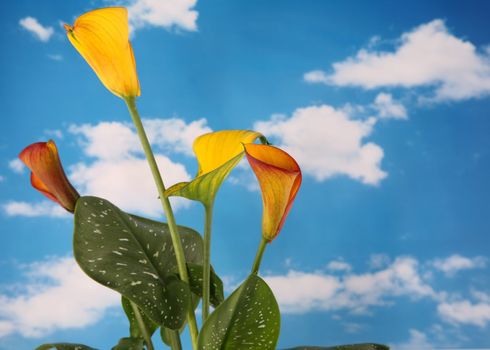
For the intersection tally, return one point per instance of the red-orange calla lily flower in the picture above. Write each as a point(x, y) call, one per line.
point(47, 174)
point(280, 178)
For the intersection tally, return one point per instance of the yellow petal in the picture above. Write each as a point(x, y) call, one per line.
point(102, 38)
point(216, 148)
point(279, 177)
point(217, 154)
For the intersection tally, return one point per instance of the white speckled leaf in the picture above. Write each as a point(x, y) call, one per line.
point(134, 256)
point(248, 319)
point(130, 344)
point(64, 346)
point(344, 347)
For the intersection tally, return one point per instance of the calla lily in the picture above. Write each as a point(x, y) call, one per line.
point(279, 177)
point(102, 38)
point(47, 174)
point(217, 154)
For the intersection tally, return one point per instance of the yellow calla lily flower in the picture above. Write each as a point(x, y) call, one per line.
point(102, 38)
point(217, 154)
point(279, 177)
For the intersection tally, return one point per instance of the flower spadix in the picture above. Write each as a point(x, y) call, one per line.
point(102, 38)
point(217, 154)
point(47, 174)
point(279, 177)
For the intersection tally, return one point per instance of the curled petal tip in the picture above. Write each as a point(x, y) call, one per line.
point(102, 39)
point(279, 176)
point(47, 174)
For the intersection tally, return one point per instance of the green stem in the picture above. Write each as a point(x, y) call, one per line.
point(258, 256)
point(174, 338)
point(167, 209)
point(141, 326)
point(206, 269)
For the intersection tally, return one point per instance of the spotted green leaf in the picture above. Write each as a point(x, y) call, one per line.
point(64, 346)
point(134, 256)
point(195, 281)
point(344, 347)
point(134, 329)
point(248, 319)
point(130, 344)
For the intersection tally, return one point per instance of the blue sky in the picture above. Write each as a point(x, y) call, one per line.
point(384, 105)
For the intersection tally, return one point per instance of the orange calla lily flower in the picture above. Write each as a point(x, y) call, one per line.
point(47, 174)
point(279, 177)
point(102, 38)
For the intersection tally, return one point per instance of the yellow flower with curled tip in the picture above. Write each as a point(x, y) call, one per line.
point(279, 177)
point(217, 154)
point(102, 38)
point(47, 174)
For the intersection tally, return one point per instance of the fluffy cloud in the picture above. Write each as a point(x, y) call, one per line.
point(429, 55)
point(128, 183)
point(338, 265)
point(455, 263)
point(300, 292)
point(32, 25)
point(44, 208)
point(120, 173)
point(327, 142)
point(465, 312)
point(58, 282)
point(417, 340)
point(388, 108)
point(161, 13)
point(16, 166)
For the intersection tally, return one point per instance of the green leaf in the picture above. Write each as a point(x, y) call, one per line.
point(344, 347)
point(130, 344)
point(248, 319)
point(64, 346)
point(134, 329)
point(217, 295)
point(204, 188)
point(134, 256)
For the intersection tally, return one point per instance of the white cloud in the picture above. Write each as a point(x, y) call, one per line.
point(119, 171)
point(58, 295)
point(57, 133)
point(429, 55)
point(465, 312)
point(455, 263)
point(418, 341)
point(44, 208)
point(161, 13)
point(2, 178)
point(17, 166)
point(128, 183)
point(377, 261)
point(175, 134)
point(316, 76)
point(388, 108)
point(300, 292)
point(327, 142)
point(338, 265)
point(55, 57)
point(32, 25)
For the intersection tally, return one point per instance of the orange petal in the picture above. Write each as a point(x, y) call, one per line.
point(48, 176)
point(279, 177)
point(102, 38)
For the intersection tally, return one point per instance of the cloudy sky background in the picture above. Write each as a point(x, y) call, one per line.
point(384, 105)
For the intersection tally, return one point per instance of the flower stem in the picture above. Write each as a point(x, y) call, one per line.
point(258, 256)
point(167, 209)
point(174, 338)
point(206, 270)
point(141, 326)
